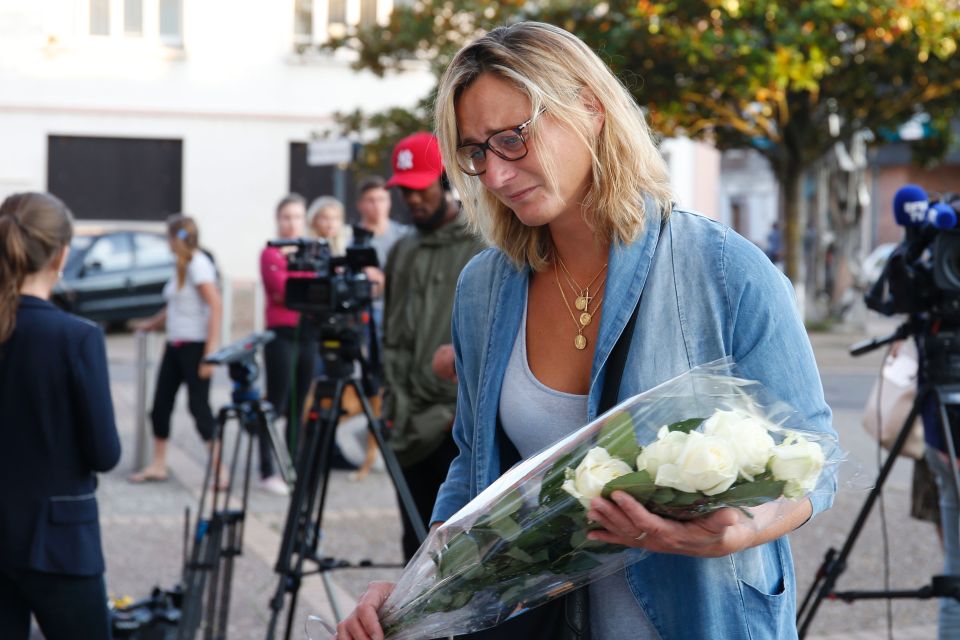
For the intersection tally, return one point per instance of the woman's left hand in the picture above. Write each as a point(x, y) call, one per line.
point(625, 521)
point(205, 371)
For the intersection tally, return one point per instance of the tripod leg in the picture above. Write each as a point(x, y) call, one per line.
point(196, 569)
point(393, 468)
point(947, 473)
point(219, 613)
point(322, 465)
point(831, 570)
point(206, 553)
point(281, 454)
point(313, 466)
point(218, 599)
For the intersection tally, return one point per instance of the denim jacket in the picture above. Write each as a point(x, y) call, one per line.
point(707, 293)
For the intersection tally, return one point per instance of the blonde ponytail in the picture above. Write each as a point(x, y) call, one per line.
point(184, 239)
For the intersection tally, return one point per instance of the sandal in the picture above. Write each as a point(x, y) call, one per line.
point(146, 475)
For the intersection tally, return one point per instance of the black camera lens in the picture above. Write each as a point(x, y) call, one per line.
point(946, 261)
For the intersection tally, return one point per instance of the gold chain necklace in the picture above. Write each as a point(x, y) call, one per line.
point(580, 341)
point(583, 293)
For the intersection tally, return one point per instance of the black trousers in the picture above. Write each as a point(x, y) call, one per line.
point(289, 360)
point(181, 364)
point(66, 607)
point(424, 479)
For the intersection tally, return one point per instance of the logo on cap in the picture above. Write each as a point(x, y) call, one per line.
point(405, 160)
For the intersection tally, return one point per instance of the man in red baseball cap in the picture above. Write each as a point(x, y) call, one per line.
point(418, 171)
point(421, 276)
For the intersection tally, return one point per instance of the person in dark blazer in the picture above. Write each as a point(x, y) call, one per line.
point(57, 428)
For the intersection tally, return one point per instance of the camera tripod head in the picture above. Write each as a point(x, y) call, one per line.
point(240, 358)
point(937, 339)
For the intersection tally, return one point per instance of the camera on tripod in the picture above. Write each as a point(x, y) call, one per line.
point(325, 286)
point(922, 274)
point(921, 279)
point(335, 297)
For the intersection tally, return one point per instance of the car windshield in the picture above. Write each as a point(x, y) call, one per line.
point(78, 245)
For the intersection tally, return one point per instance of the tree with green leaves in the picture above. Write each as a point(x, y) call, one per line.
point(768, 75)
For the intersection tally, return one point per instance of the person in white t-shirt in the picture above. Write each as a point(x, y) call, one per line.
point(191, 319)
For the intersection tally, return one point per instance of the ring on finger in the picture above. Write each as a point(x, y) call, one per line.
point(643, 534)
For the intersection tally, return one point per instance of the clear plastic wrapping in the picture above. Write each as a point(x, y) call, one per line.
point(699, 442)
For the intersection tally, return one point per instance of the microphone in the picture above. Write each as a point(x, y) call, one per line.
point(942, 216)
point(910, 206)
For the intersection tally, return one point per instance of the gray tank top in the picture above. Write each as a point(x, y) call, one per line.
point(534, 416)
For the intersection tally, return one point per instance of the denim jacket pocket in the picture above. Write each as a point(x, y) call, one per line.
point(766, 589)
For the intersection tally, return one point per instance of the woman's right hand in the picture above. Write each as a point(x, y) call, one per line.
point(144, 324)
point(363, 622)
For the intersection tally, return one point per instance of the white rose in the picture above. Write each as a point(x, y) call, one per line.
point(748, 434)
point(798, 462)
point(665, 449)
point(595, 470)
point(706, 463)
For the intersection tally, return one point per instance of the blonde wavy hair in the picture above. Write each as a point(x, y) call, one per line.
point(564, 79)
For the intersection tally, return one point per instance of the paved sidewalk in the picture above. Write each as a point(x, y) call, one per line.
point(143, 525)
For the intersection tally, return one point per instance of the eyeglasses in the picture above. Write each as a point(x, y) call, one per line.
point(509, 144)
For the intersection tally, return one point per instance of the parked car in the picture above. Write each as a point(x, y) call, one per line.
point(112, 276)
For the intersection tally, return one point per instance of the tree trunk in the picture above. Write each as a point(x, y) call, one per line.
point(789, 183)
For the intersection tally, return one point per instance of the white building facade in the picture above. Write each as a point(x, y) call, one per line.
point(135, 109)
point(200, 106)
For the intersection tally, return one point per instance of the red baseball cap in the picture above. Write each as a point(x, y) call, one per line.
point(416, 162)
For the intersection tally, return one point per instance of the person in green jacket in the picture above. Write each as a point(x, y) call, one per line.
point(421, 276)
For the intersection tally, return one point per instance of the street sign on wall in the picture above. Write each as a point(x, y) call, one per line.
point(329, 151)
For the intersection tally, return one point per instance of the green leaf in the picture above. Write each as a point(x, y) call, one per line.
point(507, 506)
point(550, 489)
point(506, 527)
point(577, 563)
point(619, 438)
point(663, 495)
point(460, 598)
point(638, 484)
point(686, 426)
point(513, 596)
point(750, 494)
point(458, 554)
point(684, 499)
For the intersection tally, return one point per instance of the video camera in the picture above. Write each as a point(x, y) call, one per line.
point(922, 274)
point(321, 284)
point(335, 297)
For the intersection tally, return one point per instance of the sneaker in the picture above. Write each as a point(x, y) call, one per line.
point(275, 485)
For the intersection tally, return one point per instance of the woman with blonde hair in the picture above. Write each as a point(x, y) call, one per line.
point(57, 428)
point(191, 319)
point(327, 218)
point(558, 169)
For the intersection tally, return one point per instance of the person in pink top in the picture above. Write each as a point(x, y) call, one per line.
point(289, 358)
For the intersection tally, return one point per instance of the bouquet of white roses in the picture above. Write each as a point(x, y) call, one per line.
point(696, 443)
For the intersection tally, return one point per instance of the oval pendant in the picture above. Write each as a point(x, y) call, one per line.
point(580, 342)
point(581, 303)
point(585, 318)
